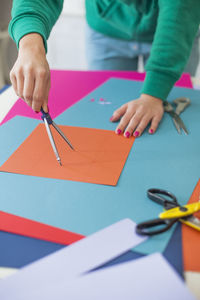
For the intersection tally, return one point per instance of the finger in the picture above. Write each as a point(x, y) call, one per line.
point(45, 103)
point(20, 83)
point(134, 122)
point(154, 124)
point(118, 113)
point(39, 93)
point(124, 122)
point(29, 83)
point(142, 125)
point(13, 81)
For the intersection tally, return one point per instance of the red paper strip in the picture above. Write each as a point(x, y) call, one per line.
point(22, 226)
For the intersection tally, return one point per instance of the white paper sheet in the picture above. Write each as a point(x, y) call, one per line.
point(193, 282)
point(72, 261)
point(7, 100)
point(5, 272)
point(146, 278)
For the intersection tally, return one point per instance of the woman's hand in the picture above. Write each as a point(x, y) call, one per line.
point(137, 114)
point(30, 75)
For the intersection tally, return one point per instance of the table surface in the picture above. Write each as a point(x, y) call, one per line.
point(191, 278)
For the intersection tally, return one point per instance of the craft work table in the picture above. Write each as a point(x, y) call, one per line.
point(165, 160)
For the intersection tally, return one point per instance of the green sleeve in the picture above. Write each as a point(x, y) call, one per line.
point(37, 16)
point(177, 25)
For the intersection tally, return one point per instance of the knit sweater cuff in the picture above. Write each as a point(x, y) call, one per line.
point(33, 25)
point(158, 84)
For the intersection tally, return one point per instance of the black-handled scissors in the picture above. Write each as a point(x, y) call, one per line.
point(173, 212)
point(48, 121)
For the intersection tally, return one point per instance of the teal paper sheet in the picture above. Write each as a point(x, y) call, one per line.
point(165, 160)
point(13, 134)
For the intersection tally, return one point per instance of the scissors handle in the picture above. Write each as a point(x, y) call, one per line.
point(181, 104)
point(157, 195)
point(167, 106)
point(175, 115)
point(163, 225)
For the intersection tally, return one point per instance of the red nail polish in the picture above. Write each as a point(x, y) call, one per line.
point(111, 118)
point(127, 134)
point(119, 131)
point(37, 112)
point(136, 133)
point(151, 131)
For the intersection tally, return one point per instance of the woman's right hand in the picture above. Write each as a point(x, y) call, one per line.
point(30, 75)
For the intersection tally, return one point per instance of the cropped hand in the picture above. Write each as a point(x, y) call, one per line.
point(30, 75)
point(137, 114)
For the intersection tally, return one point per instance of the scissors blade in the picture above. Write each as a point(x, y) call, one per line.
point(191, 221)
point(52, 141)
point(177, 125)
point(183, 126)
point(178, 122)
point(62, 134)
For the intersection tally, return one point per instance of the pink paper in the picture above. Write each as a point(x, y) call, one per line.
point(68, 87)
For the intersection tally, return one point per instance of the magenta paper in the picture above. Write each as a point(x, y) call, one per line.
point(68, 87)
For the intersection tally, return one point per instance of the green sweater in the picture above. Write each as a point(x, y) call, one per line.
point(170, 24)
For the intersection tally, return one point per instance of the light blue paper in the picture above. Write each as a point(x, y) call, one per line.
point(165, 160)
point(13, 133)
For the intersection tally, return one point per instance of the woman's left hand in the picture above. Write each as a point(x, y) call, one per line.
point(137, 114)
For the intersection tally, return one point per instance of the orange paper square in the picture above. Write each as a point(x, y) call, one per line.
point(99, 155)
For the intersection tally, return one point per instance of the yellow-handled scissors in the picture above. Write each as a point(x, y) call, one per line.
point(173, 213)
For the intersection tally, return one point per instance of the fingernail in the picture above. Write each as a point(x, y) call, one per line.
point(111, 118)
point(127, 134)
point(136, 133)
point(119, 131)
point(37, 112)
point(48, 108)
point(151, 131)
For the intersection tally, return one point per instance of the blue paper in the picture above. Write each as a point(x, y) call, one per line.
point(17, 251)
point(73, 261)
point(165, 160)
point(173, 252)
point(12, 134)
